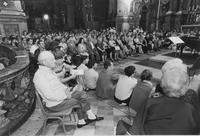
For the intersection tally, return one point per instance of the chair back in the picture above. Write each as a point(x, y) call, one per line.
point(40, 103)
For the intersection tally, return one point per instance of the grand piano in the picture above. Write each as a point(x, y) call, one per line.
point(191, 42)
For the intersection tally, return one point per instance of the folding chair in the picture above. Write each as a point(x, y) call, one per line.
point(56, 115)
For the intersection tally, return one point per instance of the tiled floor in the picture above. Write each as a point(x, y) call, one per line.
point(111, 111)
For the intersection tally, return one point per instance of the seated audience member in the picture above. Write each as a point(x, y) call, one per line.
point(142, 91)
point(81, 47)
point(84, 60)
point(101, 48)
point(83, 67)
point(125, 86)
point(56, 95)
point(91, 76)
point(105, 86)
point(167, 114)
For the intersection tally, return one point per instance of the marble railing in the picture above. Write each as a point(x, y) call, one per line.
point(17, 97)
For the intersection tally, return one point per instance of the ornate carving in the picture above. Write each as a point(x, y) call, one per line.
point(7, 91)
point(25, 80)
point(3, 120)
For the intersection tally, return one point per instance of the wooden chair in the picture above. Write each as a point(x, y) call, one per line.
point(56, 115)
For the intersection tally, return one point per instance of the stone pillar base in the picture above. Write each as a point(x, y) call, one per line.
point(12, 24)
point(167, 25)
point(120, 20)
point(177, 24)
point(12, 18)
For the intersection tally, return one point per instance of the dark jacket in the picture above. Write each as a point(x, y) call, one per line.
point(165, 115)
point(140, 95)
point(105, 84)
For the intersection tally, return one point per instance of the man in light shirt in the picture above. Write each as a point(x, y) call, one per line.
point(56, 95)
point(91, 76)
point(125, 86)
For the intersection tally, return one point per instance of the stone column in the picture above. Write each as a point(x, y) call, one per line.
point(112, 6)
point(181, 5)
point(177, 23)
point(122, 12)
point(128, 12)
point(170, 7)
point(70, 14)
point(148, 19)
point(169, 15)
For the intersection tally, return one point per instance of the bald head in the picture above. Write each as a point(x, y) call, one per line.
point(47, 59)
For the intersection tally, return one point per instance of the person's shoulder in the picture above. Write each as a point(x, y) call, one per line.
point(102, 72)
point(156, 100)
point(37, 75)
point(94, 71)
point(90, 70)
point(134, 80)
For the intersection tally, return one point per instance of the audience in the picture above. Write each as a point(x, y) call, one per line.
point(168, 113)
point(125, 86)
point(171, 108)
point(56, 95)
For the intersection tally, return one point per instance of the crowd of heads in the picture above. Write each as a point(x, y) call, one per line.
point(92, 46)
point(87, 48)
point(100, 45)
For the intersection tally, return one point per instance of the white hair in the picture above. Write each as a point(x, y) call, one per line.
point(44, 56)
point(174, 63)
point(174, 82)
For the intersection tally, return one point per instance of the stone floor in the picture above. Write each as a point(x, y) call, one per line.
point(111, 111)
